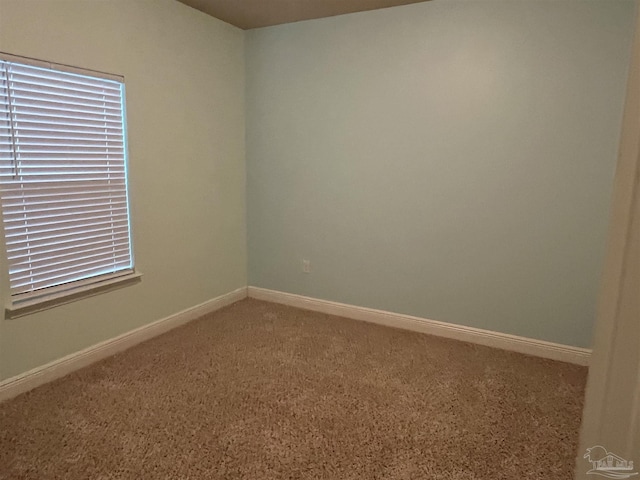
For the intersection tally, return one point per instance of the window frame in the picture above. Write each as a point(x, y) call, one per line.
point(20, 304)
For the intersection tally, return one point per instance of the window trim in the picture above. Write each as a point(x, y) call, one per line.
point(34, 62)
point(17, 309)
point(32, 302)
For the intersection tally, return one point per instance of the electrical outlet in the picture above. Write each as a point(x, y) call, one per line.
point(306, 266)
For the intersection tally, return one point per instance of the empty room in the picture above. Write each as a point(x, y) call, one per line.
point(319, 239)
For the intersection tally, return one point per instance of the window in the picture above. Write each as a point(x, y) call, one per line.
point(63, 179)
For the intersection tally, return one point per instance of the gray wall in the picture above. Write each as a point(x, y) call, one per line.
point(451, 160)
point(184, 74)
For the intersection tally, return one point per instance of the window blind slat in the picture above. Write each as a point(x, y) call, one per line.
point(63, 282)
point(49, 96)
point(19, 116)
point(59, 248)
point(68, 172)
point(27, 150)
point(51, 124)
point(54, 264)
point(60, 159)
point(47, 74)
point(71, 271)
point(25, 168)
point(62, 177)
point(37, 128)
point(13, 191)
point(60, 171)
point(42, 181)
point(53, 135)
point(49, 102)
point(96, 113)
point(61, 205)
point(69, 142)
point(54, 198)
point(33, 220)
point(16, 80)
point(35, 208)
point(26, 242)
point(11, 232)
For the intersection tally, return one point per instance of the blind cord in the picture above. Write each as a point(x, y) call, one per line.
point(14, 148)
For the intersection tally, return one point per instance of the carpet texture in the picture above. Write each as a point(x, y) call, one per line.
point(262, 391)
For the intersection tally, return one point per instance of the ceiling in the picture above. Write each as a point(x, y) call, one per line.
point(248, 14)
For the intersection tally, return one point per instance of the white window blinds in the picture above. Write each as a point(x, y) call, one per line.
point(63, 184)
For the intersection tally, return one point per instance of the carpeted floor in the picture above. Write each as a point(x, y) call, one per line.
point(261, 391)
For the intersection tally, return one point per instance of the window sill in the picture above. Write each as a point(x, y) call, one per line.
point(27, 307)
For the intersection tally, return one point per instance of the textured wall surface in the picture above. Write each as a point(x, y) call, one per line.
point(451, 160)
point(184, 74)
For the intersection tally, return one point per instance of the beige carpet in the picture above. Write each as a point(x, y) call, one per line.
point(261, 391)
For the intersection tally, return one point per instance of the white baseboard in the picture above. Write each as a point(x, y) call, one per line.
point(63, 366)
point(529, 346)
point(58, 368)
